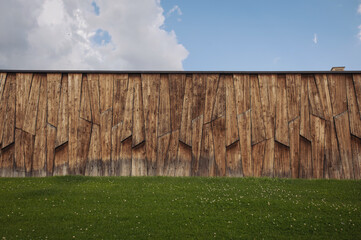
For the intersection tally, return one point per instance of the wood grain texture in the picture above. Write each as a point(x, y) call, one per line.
point(196, 144)
point(305, 158)
point(282, 161)
point(211, 91)
point(258, 154)
point(356, 156)
point(322, 86)
point(93, 80)
point(164, 121)
point(199, 95)
point(281, 130)
point(106, 141)
point(269, 155)
point(233, 160)
point(219, 138)
point(318, 146)
point(293, 86)
point(105, 92)
point(50, 149)
point(357, 84)
point(171, 158)
point(32, 106)
point(258, 129)
point(242, 87)
point(19, 163)
point(185, 134)
point(332, 155)
point(23, 84)
point(128, 110)
point(244, 127)
point(294, 127)
point(9, 124)
point(354, 113)
point(305, 109)
point(177, 84)
point(316, 107)
point(119, 93)
point(85, 104)
point(206, 160)
point(138, 111)
point(163, 145)
point(231, 112)
point(84, 134)
point(61, 160)
point(337, 87)
point(62, 133)
point(184, 160)
point(139, 162)
point(53, 91)
point(94, 163)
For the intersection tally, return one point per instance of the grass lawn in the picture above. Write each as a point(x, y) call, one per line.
point(178, 208)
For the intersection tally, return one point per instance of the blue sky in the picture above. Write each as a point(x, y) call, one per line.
point(267, 35)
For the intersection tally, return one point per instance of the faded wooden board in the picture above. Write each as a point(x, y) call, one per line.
point(119, 95)
point(7, 161)
point(242, 86)
point(61, 160)
point(244, 127)
point(116, 148)
point(50, 149)
point(344, 141)
point(23, 83)
point(19, 163)
point(164, 121)
point(150, 87)
point(219, 138)
point(139, 160)
point(305, 110)
point(84, 134)
point(282, 161)
point(74, 88)
point(177, 84)
point(211, 90)
point(3, 107)
point(357, 84)
point(268, 87)
point(106, 141)
point(28, 145)
point(171, 159)
point(305, 158)
point(199, 95)
point(206, 160)
point(128, 110)
point(53, 91)
point(9, 124)
point(258, 129)
point(322, 86)
point(219, 108)
point(356, 156)
point(337, 87)
point(62, 134)
point(233, 160)
point(196, 143)
point(294, 127)
point(184, 160)
point(318, 146)
point(138, 111)
point(269, 155)
point(231, 112)
point(125, 159)
point(354, 114)
point(163, 144)
point(105, 91)
point(85, 105)
point(39, 158)
point(293, 86)
point(281, 130)
point(32, 106)
point(2, 83)
point(185, 134)
point(93, 81)
point(316, 107)
point(42, 104)
point(258, 152)
point(333, 163)
point(94, 163)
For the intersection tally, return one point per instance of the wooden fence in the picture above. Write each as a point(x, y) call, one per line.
point(299, 125)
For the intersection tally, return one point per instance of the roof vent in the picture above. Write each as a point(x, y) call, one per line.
point(336, 69)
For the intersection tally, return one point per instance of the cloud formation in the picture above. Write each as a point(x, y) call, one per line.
point(359, 27)
point(86, 34)
point(315, 39)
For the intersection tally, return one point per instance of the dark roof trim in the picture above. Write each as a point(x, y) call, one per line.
point(184, 72)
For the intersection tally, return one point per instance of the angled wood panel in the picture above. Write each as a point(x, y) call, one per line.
point(84, 134)
point(163, 145)
point(268, 87)
point(281, 130)
point(128, 110)
point(106, 141)
point(354, 113)
point(119, 93)
point(93, 80)
point(105, 92)
point(337, 87)
point(294, 127)
point(325, 99)
point(138, 112)
point(305, 158)
point(206, 160)
point(356, 156)
point(219, 138)
point(196, 144)
point(171, 158)
point(333, 163)
point(139, 161)
point(219, 108)
point(305, 109)
point(23, 83)
point(231, 112)
point(94, 163)
point(85, 104)
point(199, 94)
point(293, 86)
point(62, 133)
point(184, 160)
point(53, 92)
point(233, 160)
point(9, 124)
point(164, 121)
point(269, 155)
point(244, 127)
point(282, 161)
point(50, 149)
point(316, 107)
point(61, 160)
point(211, 90)
point(32, 106)
point(185, 135)
point(318, 146)
point(258, 154)
point(242, 86)
point(258, 129)
point(177, 84)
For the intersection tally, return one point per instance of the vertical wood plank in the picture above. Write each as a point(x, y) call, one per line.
point(318, 146)
point(85, 105)
point(268, 87)
point(354, 114)
point(337, 87)
point(42, 104)
point(50, 149)
point(84, 135)
point(177, 84)
point(197, 124)
point(32, 105)
point(61, 160)
point(185, 135)
point(356, 156)
point(199, 95)
point(316, 107)
point(19, 163)
point(116, 148)
point(233, 160)
point(357, 85)
point(244, 128)
point(305, 111)
point(294, 127)
point(7, 161)
point(93, 81)
point(305, 158)
point(282, 161)
point(106, 140)
point(23, 83)
point(28, 144)
point(171, 158)
point(219, 138)
point(293, 86)
point(269, 155)
point(105, 91)
point(258, 129)
point(9, 125)
point(62, 133)
point(139, 160)
point(206, 160)
point(219, 109)
point(39, 158)
point(242, 86)
point(231, 112)
point(184, 160)
point(119, 95)
point(325, 99)
point(211, 90)
point(54, 85)
point(138, 111)
point(281, 131)
point(2, 83)
point(94, 163)
point(332, 155)
point(163, 145)
point(128, 110)
point(258, 153)
point(164, 121)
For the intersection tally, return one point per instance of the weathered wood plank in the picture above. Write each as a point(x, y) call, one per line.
point(199, 95)
point(106, 140)
point(62, 133)
point(268, 87)
point(185, 134)
point(294, 127)
point(138, 111)
point(305, 110)
point(150, 87)
point(94, 163)
point(7, 158)
point(93, 85)
point(293, 86)
point(85, 105)
point(164, 121)
point(269, 155)
point(258, 128)
point(219, 108)
point(171, 159)
point(332, 155)
point(3, 106)
point(125, 160)
point(19, 163)
point(231, 112)
point(116, 148)
point(233, 160)
point(244, 128)
point(128, 110)
point(105, 91)
point(9, 124)
point(50, 149)
point(281, 131)
point(53, 91)
point(282, 161)
point(206, 160)
point(316, 107)
point(139, 160)
point(305, 158)
point(196, 143)
point(32, 106)
point(84, 135)
point(219, 138)
point(119, 95)
point(61, 160)
point(2, 83)
point(324, 93)
point(258, 153)
point(74, 88)
point(28, 145)
point(211, 90)
point(242, 86)
point(357, 84)
point(42, 104)
point(23, 83)
point(177, 84)
point(184, 160)
point(39, 157)
point(337, 88)
point(344, 141)
point(318, 146)
point(356, 156)
point(354, 114)
point(163, 144)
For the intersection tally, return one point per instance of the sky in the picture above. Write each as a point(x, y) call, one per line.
point(210, 35)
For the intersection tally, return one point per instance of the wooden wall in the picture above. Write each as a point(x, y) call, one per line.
point(274, 125)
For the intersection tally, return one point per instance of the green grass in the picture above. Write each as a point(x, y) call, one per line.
point(178, 208)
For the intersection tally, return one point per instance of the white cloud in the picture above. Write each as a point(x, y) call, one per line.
point(359, 34)
point(359, 27)
point(315, 39)
point(359, 9)
point(64, 34)
point(176, 9)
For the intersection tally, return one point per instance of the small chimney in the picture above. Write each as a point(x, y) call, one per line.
point(337, 69)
